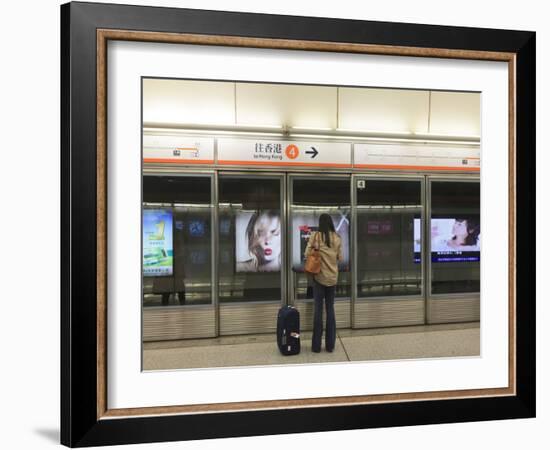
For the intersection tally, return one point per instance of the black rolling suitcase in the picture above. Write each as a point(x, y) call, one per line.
point(288, 330)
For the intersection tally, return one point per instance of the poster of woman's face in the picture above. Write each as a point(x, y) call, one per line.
point(258, 241)
point(458, 234)
point(452, 239)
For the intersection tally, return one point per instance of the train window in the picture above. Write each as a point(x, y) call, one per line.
point(250, 239)
point(455, 237)
point(388, 238)
point(177, 240)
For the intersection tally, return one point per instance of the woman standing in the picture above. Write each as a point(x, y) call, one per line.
point(329, 245)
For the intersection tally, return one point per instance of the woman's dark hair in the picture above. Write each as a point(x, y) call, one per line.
point(326, 226)
point(473, 228)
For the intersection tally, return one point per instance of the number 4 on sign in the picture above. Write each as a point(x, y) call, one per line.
point(292, 151)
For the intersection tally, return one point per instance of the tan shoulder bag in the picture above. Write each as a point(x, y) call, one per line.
point(313, 261)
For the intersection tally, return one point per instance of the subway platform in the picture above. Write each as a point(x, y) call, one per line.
point(412, 342)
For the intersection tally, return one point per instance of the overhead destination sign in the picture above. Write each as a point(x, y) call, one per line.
point(417, 157)
point(178, 149)
point(251, 152)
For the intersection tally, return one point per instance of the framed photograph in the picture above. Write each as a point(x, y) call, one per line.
point(207, 156)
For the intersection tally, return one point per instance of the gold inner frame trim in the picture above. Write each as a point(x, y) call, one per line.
point(103, 36)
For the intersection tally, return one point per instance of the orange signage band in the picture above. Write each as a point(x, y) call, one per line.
point(282, 163)
point(178, 161)
point(396, 166)
point(306, 164)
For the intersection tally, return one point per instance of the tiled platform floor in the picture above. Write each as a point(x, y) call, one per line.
point(430, 341)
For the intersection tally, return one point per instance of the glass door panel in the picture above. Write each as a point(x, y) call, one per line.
point(250, 238)
point(177, 240)
point(311, 197)
point(455, 236)
point(389, 237)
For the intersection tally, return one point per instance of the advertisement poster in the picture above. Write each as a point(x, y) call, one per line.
point(258, 241)
point(452, 240)
point(158, 252)
point(305, 223)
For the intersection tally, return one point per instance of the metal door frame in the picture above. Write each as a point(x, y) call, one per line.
point(259, 175)
point(290, 201)
point(444, 178)
point(191, 173)
point(388, 177)
point(286, 180)
point(204, 173)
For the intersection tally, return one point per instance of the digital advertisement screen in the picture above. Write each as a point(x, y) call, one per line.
point(304, 224)
point(258, 241)
point(453, 239)
point(158, 252)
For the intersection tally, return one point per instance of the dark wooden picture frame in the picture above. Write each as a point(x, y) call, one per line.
point(85, 29)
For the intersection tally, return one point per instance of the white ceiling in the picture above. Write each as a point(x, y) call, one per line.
point(185, 102)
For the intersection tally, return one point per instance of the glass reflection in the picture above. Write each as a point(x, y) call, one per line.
point(455, 237)
point(388, 238)
point(177, 237)
point(310, 199)
point(250, 239)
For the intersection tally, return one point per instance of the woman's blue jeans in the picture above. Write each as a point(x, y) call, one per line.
point(325, 293)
